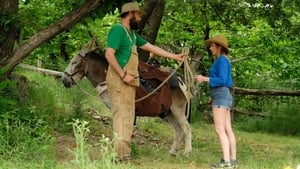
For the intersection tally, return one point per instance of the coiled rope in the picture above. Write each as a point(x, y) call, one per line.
point(188, 79)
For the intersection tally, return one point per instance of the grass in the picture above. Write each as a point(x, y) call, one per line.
point(255, 150)
point(152, 141)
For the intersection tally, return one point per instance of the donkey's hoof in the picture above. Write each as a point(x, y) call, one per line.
point(173, 152)
point(187, 154)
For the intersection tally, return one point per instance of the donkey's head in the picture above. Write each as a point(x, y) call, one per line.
point(75, 71)
point(79, 65)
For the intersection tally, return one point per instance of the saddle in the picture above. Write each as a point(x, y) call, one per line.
point(158, 103)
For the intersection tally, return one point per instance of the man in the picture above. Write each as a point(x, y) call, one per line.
point(122, 76)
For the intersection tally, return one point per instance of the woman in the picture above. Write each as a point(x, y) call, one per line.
point(220, 82)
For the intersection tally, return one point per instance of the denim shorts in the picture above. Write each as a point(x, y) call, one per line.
point(221, 97)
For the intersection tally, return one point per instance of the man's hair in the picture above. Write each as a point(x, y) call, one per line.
point(123, 15)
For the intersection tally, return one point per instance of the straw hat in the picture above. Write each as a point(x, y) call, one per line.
point(218, 39)
point(131, 6)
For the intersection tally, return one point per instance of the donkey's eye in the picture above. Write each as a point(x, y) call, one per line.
point(74, 63)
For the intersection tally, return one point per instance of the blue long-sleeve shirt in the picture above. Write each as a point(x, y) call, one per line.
point(220, 73)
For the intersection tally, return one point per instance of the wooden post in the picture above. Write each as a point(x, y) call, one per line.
point(39, 63)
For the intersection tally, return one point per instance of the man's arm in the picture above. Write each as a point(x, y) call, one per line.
point(161, 52)
point(111, 59)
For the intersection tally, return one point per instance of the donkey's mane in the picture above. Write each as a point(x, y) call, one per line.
point(98, 56)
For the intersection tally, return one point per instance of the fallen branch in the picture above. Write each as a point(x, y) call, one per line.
point(245, 112)
point(46, 71)
point(265, 92)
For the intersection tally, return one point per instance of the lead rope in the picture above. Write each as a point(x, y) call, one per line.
point(87, 93)
point(188, 79)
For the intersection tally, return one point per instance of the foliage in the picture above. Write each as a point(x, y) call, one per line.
point(7, 21)
point(7, 103)
point(22, 134)
point(282, 116)
point(36, 15)
point(101, 26)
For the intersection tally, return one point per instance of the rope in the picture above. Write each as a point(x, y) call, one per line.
point(87, 93)
point(188, 75)
point(165, 81)
point(188, 78)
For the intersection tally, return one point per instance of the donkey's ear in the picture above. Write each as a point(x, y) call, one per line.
point(89, 47)
point(84, 51)
point(97, 48)
point(90, 44)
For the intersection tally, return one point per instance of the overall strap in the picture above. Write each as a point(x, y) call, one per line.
point(129, 37)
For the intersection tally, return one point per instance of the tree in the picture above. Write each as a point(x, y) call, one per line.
point(11, 59)
point(8, 26)
point(151, 21)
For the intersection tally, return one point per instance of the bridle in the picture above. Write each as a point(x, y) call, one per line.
point(81, 71)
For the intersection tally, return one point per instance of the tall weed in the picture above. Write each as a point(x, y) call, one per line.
point(81, 153)
point(81, 131)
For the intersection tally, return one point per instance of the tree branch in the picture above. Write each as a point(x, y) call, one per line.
point(36, 40)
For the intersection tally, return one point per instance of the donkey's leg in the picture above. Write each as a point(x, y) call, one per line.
point(185, 129)
point(185, 126)
point(178, 134)
point(178, 109)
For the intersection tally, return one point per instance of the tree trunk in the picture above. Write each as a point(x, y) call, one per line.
point(36, 40)
point(8, 29)
point(63, 53)
point(154, 10)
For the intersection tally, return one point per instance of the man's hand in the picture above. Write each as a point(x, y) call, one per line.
point(180, 57)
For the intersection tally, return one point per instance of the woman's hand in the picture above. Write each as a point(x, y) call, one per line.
point(200, 78)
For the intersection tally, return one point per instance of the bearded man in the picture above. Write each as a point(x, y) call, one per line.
point(122, 76)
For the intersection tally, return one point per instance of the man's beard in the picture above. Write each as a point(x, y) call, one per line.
point(134, 25)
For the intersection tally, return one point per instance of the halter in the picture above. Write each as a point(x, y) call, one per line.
point(82, 71)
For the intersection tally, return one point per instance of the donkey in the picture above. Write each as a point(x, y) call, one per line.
point(91, 64)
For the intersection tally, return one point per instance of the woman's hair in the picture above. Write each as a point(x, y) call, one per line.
point(223, 49)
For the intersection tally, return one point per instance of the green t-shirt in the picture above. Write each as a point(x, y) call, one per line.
point(118, 39)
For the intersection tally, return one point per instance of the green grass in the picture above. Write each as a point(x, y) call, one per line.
point(59, 107)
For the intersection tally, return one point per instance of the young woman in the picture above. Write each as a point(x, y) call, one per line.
point(220, 82)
